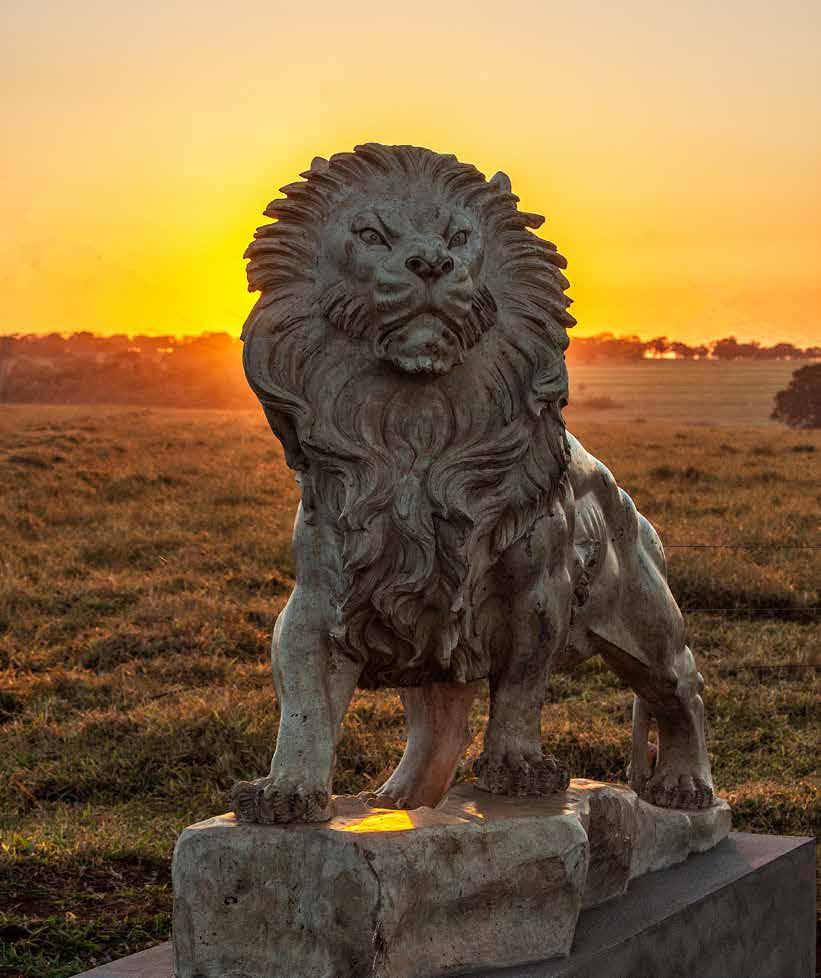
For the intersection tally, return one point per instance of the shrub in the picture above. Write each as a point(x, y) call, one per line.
point(799, 405)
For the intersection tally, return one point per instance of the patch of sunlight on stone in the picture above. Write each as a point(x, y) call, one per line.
point(382, 820)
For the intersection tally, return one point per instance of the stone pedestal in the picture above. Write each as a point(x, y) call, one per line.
point(479, 882)
point(746, 909)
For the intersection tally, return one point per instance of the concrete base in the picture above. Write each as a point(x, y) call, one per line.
point(746, 909)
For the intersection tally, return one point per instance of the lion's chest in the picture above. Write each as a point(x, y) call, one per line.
point(419, 476)
point(416, 589)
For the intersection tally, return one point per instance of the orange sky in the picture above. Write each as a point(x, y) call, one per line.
point(676, 152)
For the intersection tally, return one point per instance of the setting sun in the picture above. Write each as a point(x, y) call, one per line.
point(674, 152)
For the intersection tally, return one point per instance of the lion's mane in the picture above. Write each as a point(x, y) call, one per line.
point(416, 541)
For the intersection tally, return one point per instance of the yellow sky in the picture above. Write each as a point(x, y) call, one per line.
point(676, 152)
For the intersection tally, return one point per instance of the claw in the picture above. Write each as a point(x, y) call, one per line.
point(684, 796)
point(244, 801)
point(685, 791)
point(704, 793)
point(273, 802)
point(513, 775)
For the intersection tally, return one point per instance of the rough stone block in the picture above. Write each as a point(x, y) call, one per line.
point(665, 837)
point(375, 893)
point(610, 823)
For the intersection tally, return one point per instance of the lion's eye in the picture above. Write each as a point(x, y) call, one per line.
point(372, 237)
point(459, 239)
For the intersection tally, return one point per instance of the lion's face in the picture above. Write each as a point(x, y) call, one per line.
point(404, 274)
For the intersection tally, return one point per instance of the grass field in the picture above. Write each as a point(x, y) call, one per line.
point(143, 558)
point(703, 392)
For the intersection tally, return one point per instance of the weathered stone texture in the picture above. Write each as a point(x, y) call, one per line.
point(665, 837)
point(744, 910)
point(378, 892)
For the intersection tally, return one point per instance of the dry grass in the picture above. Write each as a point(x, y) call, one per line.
point(143, 558)
point(711, 392)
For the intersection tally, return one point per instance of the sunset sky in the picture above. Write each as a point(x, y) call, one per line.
point(676, 149)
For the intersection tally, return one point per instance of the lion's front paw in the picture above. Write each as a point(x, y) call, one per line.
point(670, 787)
point(520, 771)
point(270, 801)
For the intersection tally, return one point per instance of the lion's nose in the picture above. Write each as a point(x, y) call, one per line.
point(429, 269)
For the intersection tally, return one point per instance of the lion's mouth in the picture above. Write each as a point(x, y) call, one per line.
point(424, 343)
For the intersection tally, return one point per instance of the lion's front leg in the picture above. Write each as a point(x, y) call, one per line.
point(537, 583)
point(314, 686)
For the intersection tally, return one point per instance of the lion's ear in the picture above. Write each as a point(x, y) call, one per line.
point(500, 182)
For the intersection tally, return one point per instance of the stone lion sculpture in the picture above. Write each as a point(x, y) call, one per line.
point(408, 352)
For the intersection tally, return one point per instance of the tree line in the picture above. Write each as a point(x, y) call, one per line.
point(206, 370)
point(83, 368)
point(606, 346)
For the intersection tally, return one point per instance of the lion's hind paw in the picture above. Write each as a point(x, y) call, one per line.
point(672, 790)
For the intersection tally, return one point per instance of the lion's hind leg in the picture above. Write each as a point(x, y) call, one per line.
point(641, 637)
point(677, 774)
point(438, 735)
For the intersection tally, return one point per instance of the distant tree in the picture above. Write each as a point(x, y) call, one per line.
point(731, 349)
point(726, 349)
point(605, 346)
point(50, 345)
point(85, 342)
point(799, 405)
point(7, 344)
point(688, 352)
point(783, 351)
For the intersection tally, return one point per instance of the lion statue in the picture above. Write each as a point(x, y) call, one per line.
point(408, 352)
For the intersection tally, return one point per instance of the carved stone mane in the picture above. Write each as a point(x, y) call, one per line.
point(419, 462)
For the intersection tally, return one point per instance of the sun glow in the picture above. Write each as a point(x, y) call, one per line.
point(674, 151)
